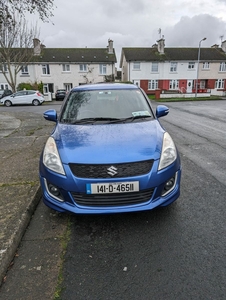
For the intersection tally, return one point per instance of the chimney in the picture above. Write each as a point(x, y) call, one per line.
point(110, 46)
point(223, 46)
point(161, 45)
point(37, 47)
point(215, 46)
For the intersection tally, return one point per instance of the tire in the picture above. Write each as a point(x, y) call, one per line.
point(8, 103)
point(35, 102)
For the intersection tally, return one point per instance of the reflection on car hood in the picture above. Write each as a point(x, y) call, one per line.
point(110, 143)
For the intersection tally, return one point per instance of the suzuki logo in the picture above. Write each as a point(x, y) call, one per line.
point(112, 171)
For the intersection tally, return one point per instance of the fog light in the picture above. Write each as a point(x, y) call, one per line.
point(169, 186)
point(53, 191)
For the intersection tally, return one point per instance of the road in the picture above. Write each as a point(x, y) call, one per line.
point(173, 253)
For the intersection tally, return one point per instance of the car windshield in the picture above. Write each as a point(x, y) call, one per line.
point(106, 106)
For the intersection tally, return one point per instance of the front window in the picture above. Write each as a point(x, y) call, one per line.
point(219, 84)
point(45, 69)
point(24, 70)
point(103, 69)
point(155, 67)
point(206, 65)
point(191, 65)
point(153, 84)
point(83, 67)
point(106, 106)
point(136, 65)
point(174, 84)
point(222, 67)
point(66, 67)
point(173, 67)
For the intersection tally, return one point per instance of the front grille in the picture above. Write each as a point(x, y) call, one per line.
point(113, 199)
point(101, 170)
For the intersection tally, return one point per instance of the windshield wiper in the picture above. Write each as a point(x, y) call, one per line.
point(97, 119)
point(135, 118)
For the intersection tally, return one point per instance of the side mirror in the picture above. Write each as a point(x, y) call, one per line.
point(161, 111)
point(50, 115)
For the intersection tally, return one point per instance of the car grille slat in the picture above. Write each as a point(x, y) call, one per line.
point(101, 170)
point(113, 199)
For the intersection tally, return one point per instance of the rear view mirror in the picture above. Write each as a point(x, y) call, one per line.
point(50, 115)
point(161, 111)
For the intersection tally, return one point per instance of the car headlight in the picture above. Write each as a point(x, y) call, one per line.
point(51, 158)
point(169, 152)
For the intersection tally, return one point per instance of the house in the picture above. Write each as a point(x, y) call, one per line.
point(64, 68)
point(175, 70)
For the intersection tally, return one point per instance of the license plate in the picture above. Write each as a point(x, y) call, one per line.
point(110, 188)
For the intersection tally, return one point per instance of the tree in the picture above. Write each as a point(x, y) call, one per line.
point(42, 7)
point(16, 46)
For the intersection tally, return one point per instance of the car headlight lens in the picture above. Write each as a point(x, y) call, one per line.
point(51, 158)
point(169, 152)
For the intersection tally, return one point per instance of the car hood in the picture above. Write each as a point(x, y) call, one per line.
point(109, 143)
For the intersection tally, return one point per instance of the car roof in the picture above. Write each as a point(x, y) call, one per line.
point(105, 86)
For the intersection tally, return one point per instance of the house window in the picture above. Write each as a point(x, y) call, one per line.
point(103, 69)
point(153, 84)
point(45, 69)
point(206, 65)
point(83, 68)
point(3, 68)
point(202, 84)
point(219, 84)
point(155, 67)
point(24, 70)
point(136, 65)
point(47, 88)
point(66, 67)
point(191, 65)
point(174, 84)
point(68, 86)
point(222, 66)
point(4, 86)
point(173, 66)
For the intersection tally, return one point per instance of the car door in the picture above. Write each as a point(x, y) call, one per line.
point(19, 97)
point(30, 96)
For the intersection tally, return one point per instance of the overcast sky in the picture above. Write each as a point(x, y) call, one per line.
point(130, 23)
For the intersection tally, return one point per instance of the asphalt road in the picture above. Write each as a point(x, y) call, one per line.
point(173, 253)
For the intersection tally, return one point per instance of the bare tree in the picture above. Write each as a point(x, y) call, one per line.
point(42, 7)
point(16, 46)
point(86, 77)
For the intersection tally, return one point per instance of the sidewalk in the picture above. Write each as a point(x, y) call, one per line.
point(22, 137)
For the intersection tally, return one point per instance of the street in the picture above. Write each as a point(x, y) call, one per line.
point(177, 252)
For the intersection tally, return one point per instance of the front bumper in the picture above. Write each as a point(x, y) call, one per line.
point(69, 186)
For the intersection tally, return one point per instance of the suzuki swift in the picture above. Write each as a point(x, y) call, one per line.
point(108, 153)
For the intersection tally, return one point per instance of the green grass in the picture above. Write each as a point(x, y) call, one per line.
point(65, 238)
point(152, 97)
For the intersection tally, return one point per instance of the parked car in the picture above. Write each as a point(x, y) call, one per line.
point(4, 93)
point(108, 153)
point(60, 94)
point(24, 97)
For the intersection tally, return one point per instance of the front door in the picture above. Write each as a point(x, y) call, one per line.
point(189, 86)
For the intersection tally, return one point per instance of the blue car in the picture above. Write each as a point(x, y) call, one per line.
point(108, 153)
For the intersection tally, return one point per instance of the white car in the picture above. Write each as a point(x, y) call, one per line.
point(24, 97)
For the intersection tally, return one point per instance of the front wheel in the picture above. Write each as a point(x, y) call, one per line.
point(8, 103)
point(35, 102)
